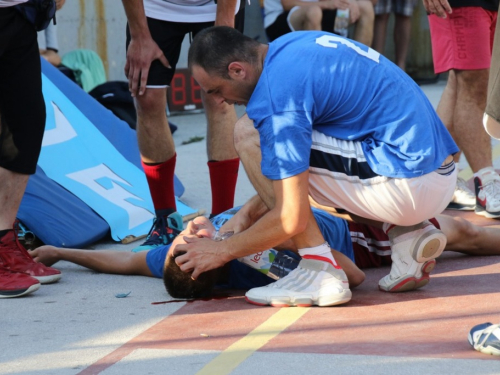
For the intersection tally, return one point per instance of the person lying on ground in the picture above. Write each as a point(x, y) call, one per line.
point(365, 245)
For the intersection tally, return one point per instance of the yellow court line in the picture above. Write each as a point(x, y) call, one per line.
point(235, 354)
point(467, 173)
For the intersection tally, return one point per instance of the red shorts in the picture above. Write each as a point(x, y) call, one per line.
point(371, 245)
point(463, 40)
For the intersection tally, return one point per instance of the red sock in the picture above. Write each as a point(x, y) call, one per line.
point(223, 176)
point(161, 183)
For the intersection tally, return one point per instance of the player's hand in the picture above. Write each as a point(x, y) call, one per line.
point(437, 7)
point(200, 255)
point(140, 54)
point(354, 11)
point(45, 254)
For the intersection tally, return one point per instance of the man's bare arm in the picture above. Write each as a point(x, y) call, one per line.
point(105, 261)
point(226, 10)
point(288, 218)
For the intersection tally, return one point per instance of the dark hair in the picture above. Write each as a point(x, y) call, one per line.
point(179, 284)
point(216, 47)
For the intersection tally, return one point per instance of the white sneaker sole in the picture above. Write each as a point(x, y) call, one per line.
point(490, 215)
point(430, 246)
point(31, 289)
point(302, 301)
point(48, 279)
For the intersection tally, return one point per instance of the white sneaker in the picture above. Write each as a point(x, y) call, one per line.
point(413, 252)
point(485, 338)
point(488, 194)
point(313, 282)
point(463, 199)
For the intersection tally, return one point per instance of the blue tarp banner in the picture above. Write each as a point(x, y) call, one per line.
point(78, 157)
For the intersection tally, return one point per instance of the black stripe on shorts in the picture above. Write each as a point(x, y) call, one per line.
point(341, 164)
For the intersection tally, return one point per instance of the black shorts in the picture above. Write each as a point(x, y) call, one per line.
point(280, 26)
point(169, 36)
point(22, 109)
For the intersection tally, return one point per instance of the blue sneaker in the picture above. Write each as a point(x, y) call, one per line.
point(165, 228)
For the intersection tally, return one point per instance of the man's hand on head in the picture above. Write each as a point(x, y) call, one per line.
point(200, 255)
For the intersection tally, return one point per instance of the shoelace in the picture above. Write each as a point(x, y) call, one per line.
point(22, 251)
point(492, 187)
point(159, 231)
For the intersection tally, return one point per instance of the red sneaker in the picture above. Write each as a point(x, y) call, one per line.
point(16, 284)
point(14, 257)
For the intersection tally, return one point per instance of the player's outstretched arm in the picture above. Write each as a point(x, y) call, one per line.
point(467, 238)
point(105, 261)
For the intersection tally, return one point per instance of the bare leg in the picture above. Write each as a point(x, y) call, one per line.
point(380, 32)
point(467, 238)
point(363, 32)
point(468, 115)
point(105, 261)
point(221, 119)
point(307, 18)
point(446, 107)
point(12, 190)
point(402, 32)
point(153, 133)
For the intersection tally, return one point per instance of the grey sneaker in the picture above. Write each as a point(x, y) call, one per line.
point(413, 252)
point(464, 198)
point(313, 282)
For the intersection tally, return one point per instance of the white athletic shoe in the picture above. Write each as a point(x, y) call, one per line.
point(488, 194)
point(463, 199)
point(485, 338)
point(413, 252)
point(313, 282)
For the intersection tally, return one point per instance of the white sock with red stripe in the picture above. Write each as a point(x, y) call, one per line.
point(321, 252)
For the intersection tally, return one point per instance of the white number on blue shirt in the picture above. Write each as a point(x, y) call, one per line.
point(331, 41)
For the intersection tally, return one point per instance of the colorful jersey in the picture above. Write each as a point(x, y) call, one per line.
point(334, 230)
point(316, 80)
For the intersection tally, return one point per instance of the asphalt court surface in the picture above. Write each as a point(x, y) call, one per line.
point(78, 326)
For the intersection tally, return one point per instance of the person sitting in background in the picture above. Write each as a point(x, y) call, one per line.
point(284, 16)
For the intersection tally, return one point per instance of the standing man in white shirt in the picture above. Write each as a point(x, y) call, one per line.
point(156, 29)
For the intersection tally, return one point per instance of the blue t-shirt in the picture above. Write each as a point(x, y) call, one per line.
point(341, 88)
point(334, 230)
